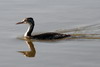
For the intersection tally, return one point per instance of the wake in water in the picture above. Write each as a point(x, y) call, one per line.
point(86, 32)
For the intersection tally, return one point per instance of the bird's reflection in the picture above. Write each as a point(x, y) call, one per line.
point(31, 52)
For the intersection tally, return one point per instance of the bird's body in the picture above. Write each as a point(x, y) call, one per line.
point(50, 36)
point(44, 36)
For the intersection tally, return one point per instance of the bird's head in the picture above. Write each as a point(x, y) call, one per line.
point(28, 20)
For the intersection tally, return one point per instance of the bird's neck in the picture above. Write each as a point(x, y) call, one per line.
point(29, 30)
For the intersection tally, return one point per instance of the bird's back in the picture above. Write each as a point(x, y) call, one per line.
point(50, 36)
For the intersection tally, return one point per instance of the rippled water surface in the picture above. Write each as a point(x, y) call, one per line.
point(49, 15)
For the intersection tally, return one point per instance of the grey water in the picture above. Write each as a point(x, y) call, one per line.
point(49, 15)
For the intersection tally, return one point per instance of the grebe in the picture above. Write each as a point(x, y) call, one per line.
point(44, 36)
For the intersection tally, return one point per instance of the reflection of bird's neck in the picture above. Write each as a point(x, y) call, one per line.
point(29, 30)
point(31, 46)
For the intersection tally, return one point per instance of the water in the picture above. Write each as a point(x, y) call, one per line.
point(49, 15)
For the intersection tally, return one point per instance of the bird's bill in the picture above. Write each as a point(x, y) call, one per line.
point(20, 23)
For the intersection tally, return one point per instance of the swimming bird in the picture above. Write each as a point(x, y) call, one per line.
point(43, 36)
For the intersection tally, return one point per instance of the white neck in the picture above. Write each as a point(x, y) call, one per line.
point(26, 33)
point(29, 31)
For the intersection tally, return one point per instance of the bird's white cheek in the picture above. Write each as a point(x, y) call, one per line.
point(25, 22)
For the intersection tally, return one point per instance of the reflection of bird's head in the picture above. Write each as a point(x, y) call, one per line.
point(28, 53)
